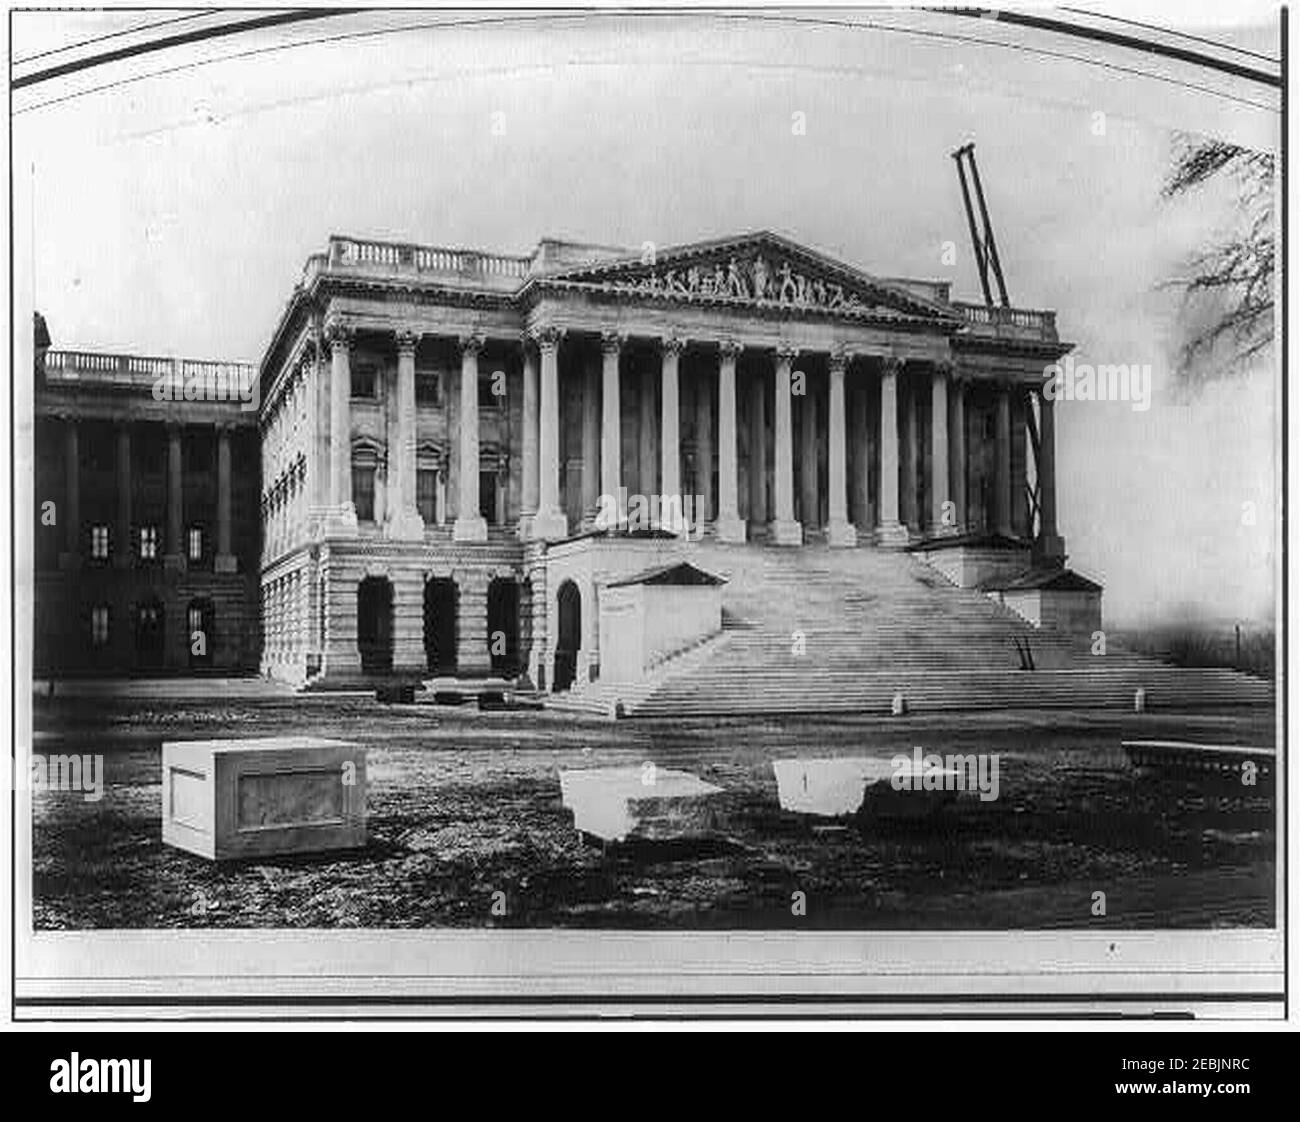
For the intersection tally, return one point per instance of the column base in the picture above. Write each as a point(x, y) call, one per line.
point(341, 521)
point(785, 532)
point(1050, 547)
point(730, 529)
point(549, 525)
point(470, 530)
point(842, 535)
point(405, 526)
point(892, 534)
point(225, 563)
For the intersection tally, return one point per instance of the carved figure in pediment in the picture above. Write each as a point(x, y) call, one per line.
point(819, 291)
point(760, 279)
point(706, 284)
point(719, 279)
point(835, 295)
point(692, 279)
point(788, 291)
point(673, 283)
point(735, 282)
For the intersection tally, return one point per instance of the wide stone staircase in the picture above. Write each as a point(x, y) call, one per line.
point(817, 630)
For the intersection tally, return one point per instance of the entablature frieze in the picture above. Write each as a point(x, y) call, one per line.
point(80, 406)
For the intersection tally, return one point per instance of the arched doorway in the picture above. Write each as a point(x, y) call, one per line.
point(440, 598)
point(375, 625)
point(200, 633)
point(503, 626)
point(568, 636)
point(150, 635)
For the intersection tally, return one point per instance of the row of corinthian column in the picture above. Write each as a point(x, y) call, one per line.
point(544, 517)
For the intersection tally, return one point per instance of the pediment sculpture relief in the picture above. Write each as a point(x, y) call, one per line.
point(755, 279)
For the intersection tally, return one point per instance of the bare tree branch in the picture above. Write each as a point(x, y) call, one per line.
point(1229, 289)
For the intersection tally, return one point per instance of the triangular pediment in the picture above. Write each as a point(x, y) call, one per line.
point(762, 269)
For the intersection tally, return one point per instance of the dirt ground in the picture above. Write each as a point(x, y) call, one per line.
point(464, 804)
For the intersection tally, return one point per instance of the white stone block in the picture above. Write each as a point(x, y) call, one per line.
point(644, 802)
point(836, 788)
point(225, 799)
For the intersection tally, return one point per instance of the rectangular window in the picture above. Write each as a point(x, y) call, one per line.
point(195, 617)
point(426, 387)
point(426, 494)
point(491, 389)
point(363, 493)
point(195, 543)
point(487, 496)
point(99, 543)
point(148, 543)
point(99, 626)
point(364, 381)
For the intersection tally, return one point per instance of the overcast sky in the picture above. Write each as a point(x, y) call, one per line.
point(173, 214)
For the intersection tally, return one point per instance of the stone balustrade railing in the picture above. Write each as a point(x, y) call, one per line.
point(143, 370)
point(403, 258)
point(1022, 322)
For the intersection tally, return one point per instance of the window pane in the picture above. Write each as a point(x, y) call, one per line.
point(363, 493)
point(426, 387)
point(363, 381)
point(196, 543)
point(426, 494)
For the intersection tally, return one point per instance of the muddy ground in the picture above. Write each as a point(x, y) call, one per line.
point(464, 804)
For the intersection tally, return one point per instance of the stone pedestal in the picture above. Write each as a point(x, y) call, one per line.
point(843, 535)
point(730, 530)
point(892, 534)
point(225, 799)
point(405, 526)
point(470, 530)
point(785, 532)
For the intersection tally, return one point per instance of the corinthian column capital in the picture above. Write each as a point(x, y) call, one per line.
point(547, 337)
point(339, 332)
point(407, 338)
point(673, 344)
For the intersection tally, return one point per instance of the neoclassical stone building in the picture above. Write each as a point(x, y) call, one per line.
point(438, 427)
point(145, 540)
